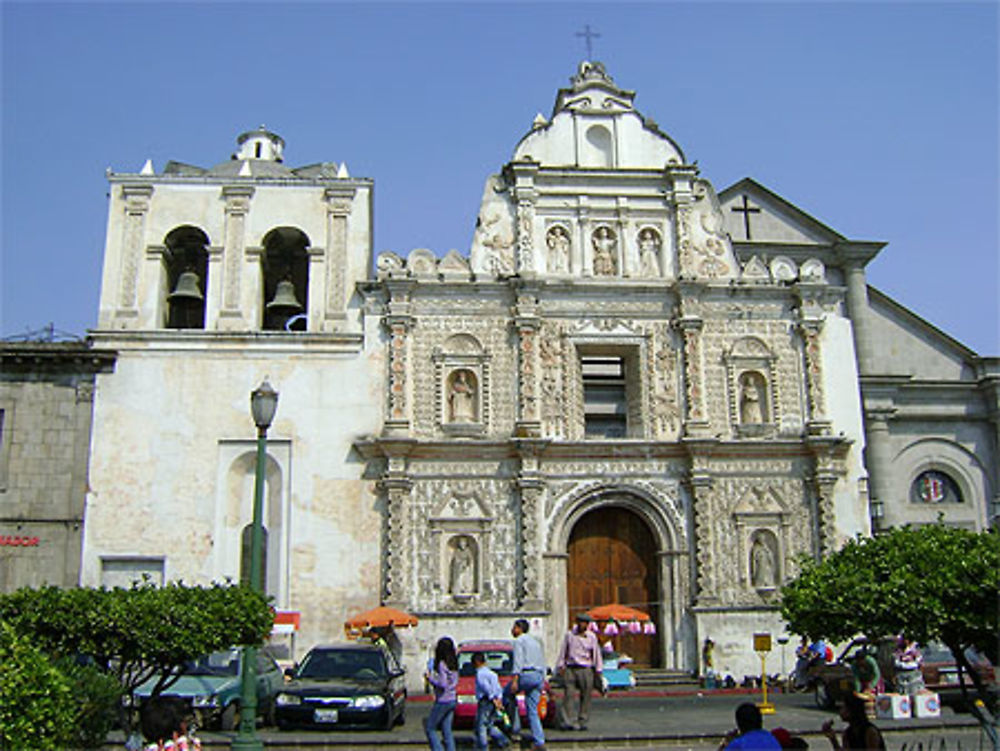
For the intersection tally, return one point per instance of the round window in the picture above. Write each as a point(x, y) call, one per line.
point(933, 486)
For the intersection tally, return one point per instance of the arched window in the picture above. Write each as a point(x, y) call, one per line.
point(186, 260)
point(286, 279)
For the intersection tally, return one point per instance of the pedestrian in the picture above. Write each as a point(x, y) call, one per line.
point(860, 734)
point(528, 670)
point(787, 740)
point(749, 733)
point(164, 724)
point(443, 678)
point(580, 664)
point(489, 702)
point(867, 676)
point(907, 675)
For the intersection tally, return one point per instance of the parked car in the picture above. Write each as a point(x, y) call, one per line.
point(343, 685)
point(832, 681)
point(500, 658)
point(212, 686)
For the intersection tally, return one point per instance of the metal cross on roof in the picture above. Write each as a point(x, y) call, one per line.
point(589, 36)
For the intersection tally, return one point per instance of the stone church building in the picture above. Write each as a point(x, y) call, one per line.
point(632, 388)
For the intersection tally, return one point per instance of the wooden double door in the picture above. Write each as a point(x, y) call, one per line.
point(612, 558)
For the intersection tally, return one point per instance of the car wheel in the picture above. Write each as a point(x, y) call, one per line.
point(230, 717)
point(823, 698)
point(390, 719)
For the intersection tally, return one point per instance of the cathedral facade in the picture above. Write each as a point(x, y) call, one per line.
point(632, 389)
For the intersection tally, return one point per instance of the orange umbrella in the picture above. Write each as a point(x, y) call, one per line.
point(380, 616)
point(616, 612)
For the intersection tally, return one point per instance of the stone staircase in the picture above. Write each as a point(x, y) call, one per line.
point(664, 678)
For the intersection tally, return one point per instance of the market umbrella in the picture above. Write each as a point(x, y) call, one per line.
point(380, 617)
point(619, 617)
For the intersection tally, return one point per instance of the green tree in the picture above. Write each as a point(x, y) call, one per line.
point(134, 634)
point(37, 709)
point(931, 582)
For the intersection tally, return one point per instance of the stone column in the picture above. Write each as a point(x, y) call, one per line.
point(398, 555)
point(525, 194)
point(237, 198)
point(695, 418)
point(531, 491)
point(699, 485)
point(817, 422)
point(133, 236)
point(527, 323)
point(880, 456)
point(857, 309)
point(339, 201)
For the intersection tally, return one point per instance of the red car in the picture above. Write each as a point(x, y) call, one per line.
point(499, 657)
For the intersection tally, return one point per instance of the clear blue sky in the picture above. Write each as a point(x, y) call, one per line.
point(879, 119)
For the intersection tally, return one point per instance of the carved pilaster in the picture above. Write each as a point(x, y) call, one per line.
point(696, 422)
point(237, 198)
point(525, 194)
point(397, 488)
point(699, 485)
point(531, 491)
point(527, 323)
point(398, 323)
point(829, 454)
point(338, 209)
point(136, 208)
point(810, 330)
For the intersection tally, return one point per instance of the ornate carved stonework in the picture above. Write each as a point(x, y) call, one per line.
point(136, 208)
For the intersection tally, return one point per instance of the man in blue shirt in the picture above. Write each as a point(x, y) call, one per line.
point(749, 734)
point(529, 675)
point(488, 701)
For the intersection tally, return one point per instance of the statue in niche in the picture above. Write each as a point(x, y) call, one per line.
point(462, 397)
point(557, 240)
point(605, 252)
point(462, 568)
point(763, 570)
point(753, 410)
point(649, 252)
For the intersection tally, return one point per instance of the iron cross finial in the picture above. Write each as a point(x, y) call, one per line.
point(589, 36)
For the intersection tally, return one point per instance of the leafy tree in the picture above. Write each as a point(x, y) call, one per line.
point(134, 634)
point(931, 582)
point(36, 703)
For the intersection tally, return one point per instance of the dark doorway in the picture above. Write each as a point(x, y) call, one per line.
point(612, 558)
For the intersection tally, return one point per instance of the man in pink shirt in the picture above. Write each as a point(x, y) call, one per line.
point(580, 665)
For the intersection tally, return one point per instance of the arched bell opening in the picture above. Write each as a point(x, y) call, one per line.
point(186, 260)
point(286, 279)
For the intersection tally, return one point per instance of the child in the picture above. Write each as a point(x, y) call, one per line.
point(489, 700)
point(163, 721)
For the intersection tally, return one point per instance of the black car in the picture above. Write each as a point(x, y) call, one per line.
point(343, 685)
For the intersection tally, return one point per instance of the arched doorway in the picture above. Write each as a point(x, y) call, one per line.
point(612, 558)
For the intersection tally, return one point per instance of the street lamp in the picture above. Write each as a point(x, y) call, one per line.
point(263, 404)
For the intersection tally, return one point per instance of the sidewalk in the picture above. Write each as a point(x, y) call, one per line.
point(668, 720)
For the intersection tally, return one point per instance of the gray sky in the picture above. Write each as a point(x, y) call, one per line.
point(879, 119)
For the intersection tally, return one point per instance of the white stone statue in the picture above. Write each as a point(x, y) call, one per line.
point(605, 252)
point(462, 569)
point(557, 240)
point(462, 397)
point(752, 407)
point(762, 568)
point(649, 252)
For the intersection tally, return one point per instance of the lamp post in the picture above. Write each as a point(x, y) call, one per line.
point(263, 403)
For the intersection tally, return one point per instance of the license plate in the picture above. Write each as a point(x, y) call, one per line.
point(324, 715)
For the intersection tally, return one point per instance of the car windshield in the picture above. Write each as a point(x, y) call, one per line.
point(342, 663)
point(226, 662)
point(499, 660)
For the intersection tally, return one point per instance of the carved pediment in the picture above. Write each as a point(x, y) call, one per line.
point(462, 504)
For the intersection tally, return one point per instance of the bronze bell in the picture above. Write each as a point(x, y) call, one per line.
point(187, 289)
point(284, 302)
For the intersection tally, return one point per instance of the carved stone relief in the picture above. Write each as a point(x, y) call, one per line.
point(650, 245)
point(605, 252)
point(557, 240)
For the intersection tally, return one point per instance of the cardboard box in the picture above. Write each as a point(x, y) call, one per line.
point(892, 707)
point(926, 704)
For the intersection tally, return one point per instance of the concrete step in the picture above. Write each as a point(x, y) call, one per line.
point(659, 677)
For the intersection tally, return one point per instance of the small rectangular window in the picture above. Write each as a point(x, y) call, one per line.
point(123, 572)
point(605, 399)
